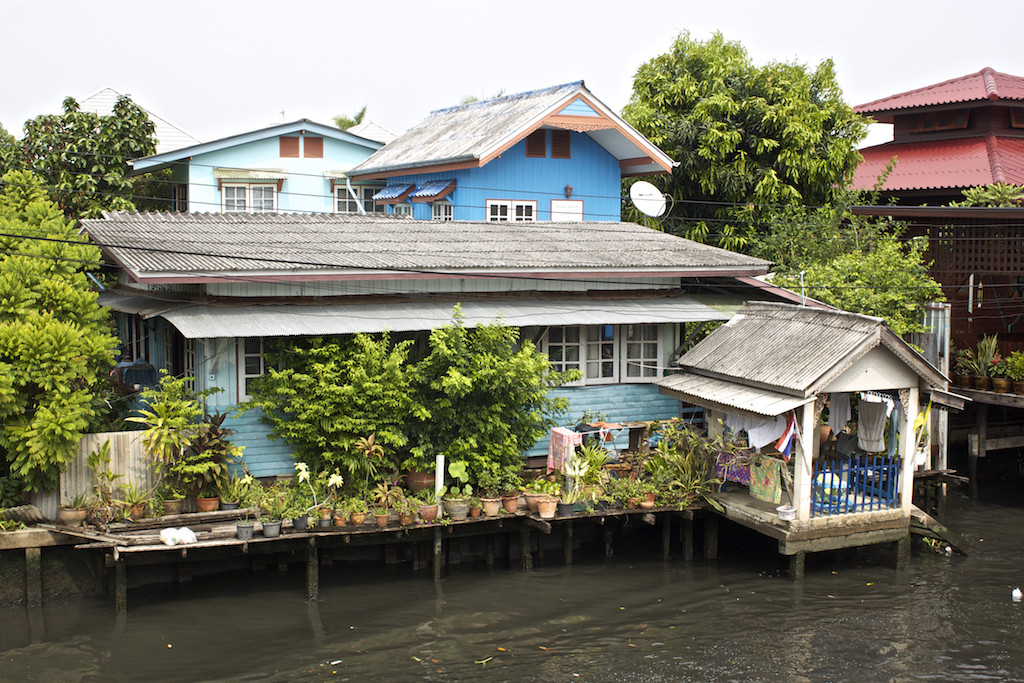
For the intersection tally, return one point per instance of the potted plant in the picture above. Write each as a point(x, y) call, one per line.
point(274, 505)
point(419, 470)
point(356, 510)
point(74, 512)
point(539, 488)
point(455, 496)
point(475, 507)
point(999, 370)
point(1015, 371)
point(983, 360)
point(134, 500)
point(382, 515)
point(511, 483)
point(407, 508)
point(232, 490)
point(489, 484)
point(245, 527)
point(428, 505)
point(172, 499)
point(963, 368)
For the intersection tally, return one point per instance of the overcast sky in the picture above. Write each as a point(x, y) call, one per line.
point(220, 67)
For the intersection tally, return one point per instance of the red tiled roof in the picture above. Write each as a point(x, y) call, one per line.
point(941, 164)
point(983, 85)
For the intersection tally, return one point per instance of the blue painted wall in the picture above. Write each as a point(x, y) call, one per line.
point(592, 172)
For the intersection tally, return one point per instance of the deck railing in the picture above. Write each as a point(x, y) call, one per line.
point(857, 483)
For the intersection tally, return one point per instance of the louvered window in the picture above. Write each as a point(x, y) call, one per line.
point(537, 144)
point(938, 120)
point(313, 148)
point(560, 148)
point(289, 147)
point(606, 354)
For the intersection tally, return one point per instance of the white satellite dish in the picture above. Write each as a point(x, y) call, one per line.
point(647, 198)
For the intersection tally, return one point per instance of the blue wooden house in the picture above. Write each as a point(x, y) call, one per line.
point(554, 154)
point(298, 166)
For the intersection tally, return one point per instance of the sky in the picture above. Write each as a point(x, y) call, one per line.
point(221, 67)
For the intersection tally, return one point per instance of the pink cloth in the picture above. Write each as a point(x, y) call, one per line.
point(562, 444)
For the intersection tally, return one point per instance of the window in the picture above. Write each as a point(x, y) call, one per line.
point(136, 340)
point(515, 210)
point(179, 198)
point(402, 209)
point(560, 147)
point(606, 354)
point(289, 147)
point(345, 203)
point(251, 364)
point(567, 210)
point(251, 198)
point(937, 120)
point(537, 144)
point(441, 211)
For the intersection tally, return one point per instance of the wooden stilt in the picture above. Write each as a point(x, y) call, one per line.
point(184, 573)
point(568, 542)
point(33, 577)
point(608, 549)
point(688, 539)
point(796, 566)
point(120, 587)
point(489, 551)
point(666, 535)
point(437, 554)
point(972, 458)
point(312, 571)
point(524, 536)
point(711, 537)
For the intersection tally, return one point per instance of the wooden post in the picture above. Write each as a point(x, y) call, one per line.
point(666, 535)
point(688, 539)
point(803, 453)
point(902, 552)
point(312, 571)
point(33, 577)
point(796, 566)
point(437, 554)
point(972, 458)
point(711, 536)
point(524, 537)
point(909, 398)
point(120, 587)
point(489, 551)
point(608, 549)
point(568, 542)
point(184, 572)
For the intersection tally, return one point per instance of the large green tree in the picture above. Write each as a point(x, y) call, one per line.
point(747, 138)
point(55, 343)
point(82, 157)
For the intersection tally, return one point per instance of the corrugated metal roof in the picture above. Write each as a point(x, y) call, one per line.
point(967, 162)
point(168, 136)
point(197, 245)
point(431, 189)
point(250, 173)
point(723, 394)
point(773, 356)
point(393, 192)
point(283, 320)
point(473, 131)
point(985, 85)
point(372, 131)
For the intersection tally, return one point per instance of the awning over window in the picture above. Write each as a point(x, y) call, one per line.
point(250, 174)
point(720, 394)
point(433, 191)
point(278, 320)
point(393, 194)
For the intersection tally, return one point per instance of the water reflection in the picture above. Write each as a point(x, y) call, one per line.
point(854, 618)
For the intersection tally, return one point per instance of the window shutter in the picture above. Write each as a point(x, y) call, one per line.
point(313, 148)
point(536, 144)
point(560, 144)
point(289, 147)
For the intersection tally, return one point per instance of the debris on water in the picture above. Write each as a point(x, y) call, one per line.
point(336, 661)
point(1016, 594)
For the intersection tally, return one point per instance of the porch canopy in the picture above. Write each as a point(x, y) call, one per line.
point(196, 321)
point(773, 358)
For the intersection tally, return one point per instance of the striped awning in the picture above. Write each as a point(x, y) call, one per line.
point(433, 191)
point(392, 194)
point(250, 174)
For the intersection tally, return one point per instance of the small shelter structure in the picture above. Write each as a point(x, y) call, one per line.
point(770, 371)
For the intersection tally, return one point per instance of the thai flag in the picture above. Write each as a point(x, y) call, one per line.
point(785, 443)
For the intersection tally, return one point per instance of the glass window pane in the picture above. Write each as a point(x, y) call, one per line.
point(572, 353)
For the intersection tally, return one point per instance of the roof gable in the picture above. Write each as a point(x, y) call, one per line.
point(474, 134)
point(158, 161)
point(943, 164)
point(984, 86)
point(168, 136)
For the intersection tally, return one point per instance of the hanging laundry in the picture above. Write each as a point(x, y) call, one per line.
point(760, 431)
point(871, 425)
point(838, 411)
point(562, 444)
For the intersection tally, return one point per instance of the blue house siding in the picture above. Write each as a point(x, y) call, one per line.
point(262, 456)
point(619, 403)
point(592, 172)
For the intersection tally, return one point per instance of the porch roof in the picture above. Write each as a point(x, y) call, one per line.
point(281, 320)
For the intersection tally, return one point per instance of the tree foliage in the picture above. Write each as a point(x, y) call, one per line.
point(55, 341)
point(82, 157)
point(996, 195)
point(346, 122)
point(746, 138)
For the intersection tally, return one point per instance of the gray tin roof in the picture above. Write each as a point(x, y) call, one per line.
point(785, 354)
point(153, 245)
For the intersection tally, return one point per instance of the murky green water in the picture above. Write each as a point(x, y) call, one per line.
point(854, 618)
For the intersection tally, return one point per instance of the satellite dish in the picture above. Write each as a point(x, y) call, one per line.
point(647, 198)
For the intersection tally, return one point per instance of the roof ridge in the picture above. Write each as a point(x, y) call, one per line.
point(995, 161)
point(520, 95)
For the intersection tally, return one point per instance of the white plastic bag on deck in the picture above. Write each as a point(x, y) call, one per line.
point(172, 536)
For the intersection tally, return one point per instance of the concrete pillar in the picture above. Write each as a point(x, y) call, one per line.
point(796, 566)
point(437, 554)
point(312, 571)
point(803, 455)
point(34, 577)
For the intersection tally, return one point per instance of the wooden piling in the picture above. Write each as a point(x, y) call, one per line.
point(711, 537)
point(568, 542)
point(33, 577)
point(524, 536)
point(666, 535)
point(120, 586)
point(901, 550)
point(437, 555)
point(797, 561)
point(312, 571)
point(687, 532)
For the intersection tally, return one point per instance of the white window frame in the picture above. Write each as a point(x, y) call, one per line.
point(249, 193)
point(611, 357)
point(401, 209)
point(345, 203)
point(245, 349)
point(442, 211)
point(566, 339)
point(515, 210)
point(567, 210)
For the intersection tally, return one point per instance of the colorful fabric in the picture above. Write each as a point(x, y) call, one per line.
point(785, 443)
point(562, 444)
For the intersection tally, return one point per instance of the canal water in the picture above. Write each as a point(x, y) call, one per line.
point(628, 618)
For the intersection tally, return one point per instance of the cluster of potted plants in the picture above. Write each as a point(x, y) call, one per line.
point(984, 368)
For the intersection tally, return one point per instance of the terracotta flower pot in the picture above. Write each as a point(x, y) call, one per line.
point(547, 506)
point(1018, 387)
point(491, 506)
point(72, 516)
point(173, 507)
point(1001, 385)
point(207, 504)
point(981, 382)
point(418, 480)
point(428, 513)
point(357, 518)
point(510, 503)
point(382, 519)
